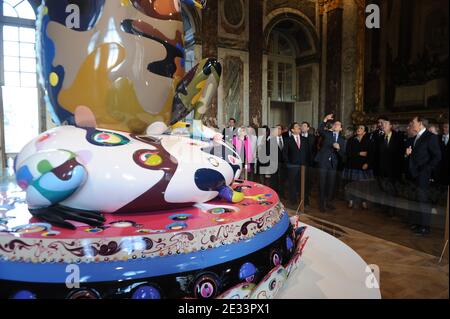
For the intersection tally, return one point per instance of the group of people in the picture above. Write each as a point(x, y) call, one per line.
point(417, 156)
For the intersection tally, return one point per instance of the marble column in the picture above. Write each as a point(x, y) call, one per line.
point(358, 115)
point(210, 16)
point(323, 64)
point(233, 90)
point(349, 60)
point(383, 54)
point(334, 60)
point(256, 48)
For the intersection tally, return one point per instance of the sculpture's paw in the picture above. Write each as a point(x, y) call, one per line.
point(59, 216)
point(230, 195)
point(50, 177)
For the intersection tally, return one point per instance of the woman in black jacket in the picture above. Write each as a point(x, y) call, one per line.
point(358, 162)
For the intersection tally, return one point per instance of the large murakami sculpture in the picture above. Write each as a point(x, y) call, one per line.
point(143, 213)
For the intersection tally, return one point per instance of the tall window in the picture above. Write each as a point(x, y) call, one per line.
point(19, 93)
point(280, 68)
point(270, 79)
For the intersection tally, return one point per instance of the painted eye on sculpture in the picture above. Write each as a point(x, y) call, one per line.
point(32, 228)
point(177, 226)
point(123, 224)
point(206, 290)
point(180, 217)
point(220, 210)
point(206, 286)
point(106, 138)
point(50, 233)
point(275, 258)
point(100, 138)
point(94, 230)
point(273, 284)
point(148, 158)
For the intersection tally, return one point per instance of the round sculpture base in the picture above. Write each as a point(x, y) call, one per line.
point(211, 250)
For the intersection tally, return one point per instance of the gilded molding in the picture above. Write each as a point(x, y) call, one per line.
point(326, 6)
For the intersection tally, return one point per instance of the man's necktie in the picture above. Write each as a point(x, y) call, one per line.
point(280, 143)
point(297, 137)
point(417, 138)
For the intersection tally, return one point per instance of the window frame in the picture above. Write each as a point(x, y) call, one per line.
point(276, 59)
point(14, 22)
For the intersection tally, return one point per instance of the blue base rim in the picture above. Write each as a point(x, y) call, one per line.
point(141, 268)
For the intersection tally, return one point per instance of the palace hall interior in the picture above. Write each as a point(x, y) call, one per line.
point(311, 135)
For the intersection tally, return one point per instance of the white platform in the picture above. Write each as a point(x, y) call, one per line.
point(329, 270)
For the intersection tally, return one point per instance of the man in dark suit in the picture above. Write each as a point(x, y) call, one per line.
point(230, 130)
point(423, 157)
point(389, 158)
point(278, 179)
point(311, 141)
point(331, 152)
point(295, 154)
point(375, 137)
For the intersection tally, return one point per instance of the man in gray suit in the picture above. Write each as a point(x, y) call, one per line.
point(332, 150)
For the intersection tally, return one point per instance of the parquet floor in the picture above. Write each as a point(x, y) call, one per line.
point(405, 272)
point(376, 222)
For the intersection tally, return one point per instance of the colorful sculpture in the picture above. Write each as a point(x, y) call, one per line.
point(114, 79)
point(73, 173)
point(112, 74)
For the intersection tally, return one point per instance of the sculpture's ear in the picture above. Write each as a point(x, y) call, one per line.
point(84, 117)
point(201, 4)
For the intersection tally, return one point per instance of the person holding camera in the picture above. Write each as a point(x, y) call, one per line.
point(331, 152)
